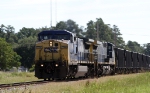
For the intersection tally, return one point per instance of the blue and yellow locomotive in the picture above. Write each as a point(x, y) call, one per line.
point(60, 54)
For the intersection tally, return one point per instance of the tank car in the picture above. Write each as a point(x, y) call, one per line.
point(59, 54)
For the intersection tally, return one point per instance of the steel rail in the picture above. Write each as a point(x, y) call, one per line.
point(9, 85)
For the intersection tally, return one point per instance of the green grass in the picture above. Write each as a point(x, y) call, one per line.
point(7, 77)
point(131, 83)
point(138, 84)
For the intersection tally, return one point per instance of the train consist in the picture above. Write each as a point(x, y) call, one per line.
point(59, 54)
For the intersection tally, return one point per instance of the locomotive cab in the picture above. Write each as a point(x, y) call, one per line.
point(110, 52)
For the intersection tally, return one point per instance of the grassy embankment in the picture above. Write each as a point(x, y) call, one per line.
point(7, 77)
point(131, 83)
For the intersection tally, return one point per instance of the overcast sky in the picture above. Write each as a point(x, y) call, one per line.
point(131, 16)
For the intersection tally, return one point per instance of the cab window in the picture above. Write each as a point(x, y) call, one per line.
point(45, 37)
point(40, 38)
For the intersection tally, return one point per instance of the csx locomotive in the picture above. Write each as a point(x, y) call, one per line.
point(60, 54)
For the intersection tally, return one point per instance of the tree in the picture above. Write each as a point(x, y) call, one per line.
point(135, 47)
point(118, 40)
point(147, 49)
point(26, 32)
point(26, 50)
point(104, 31)
point(8, 58)
point(61, 25)
point(71, 26)
point(91, 31)
point(2, 31)
point(41, 29)
point(100, 31)
point(8, 32)
point(27, 38)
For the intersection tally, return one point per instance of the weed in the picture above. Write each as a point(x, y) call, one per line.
point(1, 77)
point(87, 83)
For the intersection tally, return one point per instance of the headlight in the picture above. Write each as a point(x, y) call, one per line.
point(50, 43)
point(56, 65)
point(42, 65)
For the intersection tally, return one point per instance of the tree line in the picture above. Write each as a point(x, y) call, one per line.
point(18, 49)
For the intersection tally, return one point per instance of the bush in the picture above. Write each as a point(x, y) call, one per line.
point(32, 68)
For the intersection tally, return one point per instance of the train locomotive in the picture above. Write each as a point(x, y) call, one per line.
point(60, 54)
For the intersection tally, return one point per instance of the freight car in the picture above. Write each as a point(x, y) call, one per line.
point(59, 54)
point(130, 62)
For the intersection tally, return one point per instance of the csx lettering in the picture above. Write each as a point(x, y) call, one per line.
point(51, 49)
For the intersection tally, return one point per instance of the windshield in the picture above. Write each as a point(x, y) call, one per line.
point(45, 37)
point(60, 37)
point(57, 36)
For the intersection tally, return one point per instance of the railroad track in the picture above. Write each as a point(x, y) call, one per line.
point(10, 85)
point(24, 84)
